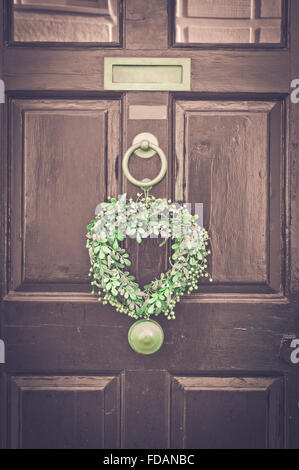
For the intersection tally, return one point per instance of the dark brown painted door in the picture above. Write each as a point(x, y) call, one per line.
point(223, 377)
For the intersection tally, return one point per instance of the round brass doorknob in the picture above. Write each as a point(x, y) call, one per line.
point(145, 145)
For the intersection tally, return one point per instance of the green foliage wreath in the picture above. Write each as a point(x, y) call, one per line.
point(145, 217)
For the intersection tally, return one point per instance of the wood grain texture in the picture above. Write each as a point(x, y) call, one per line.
point(222, 151)
point(224, 338)
point(204, 296)
point(270, 8)
point(62, 412)
point(3, 167)
point(293, 410)
point(216, 9)
point(293, 164)
point(227, 412)
point(66, 22)
point(62, 145)
point(146, 409)
point(3, 225)
point(217, 340)
point(211, 71)
point(292, 224)
point(92, 7)
point(221, 334)
point(146, 25)
point(228, 22)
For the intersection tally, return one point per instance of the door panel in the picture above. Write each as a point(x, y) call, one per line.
point(65, 412)
point(56, 147)
point(239, 22)
point(146, 25)
point(146, 409)
point(227, 412)
point(223, 377)
point(96, 21)
point(233, 150)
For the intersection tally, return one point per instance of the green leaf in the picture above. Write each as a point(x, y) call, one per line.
point(153, 299)
point(120, 265)
point(91, 224)
point(115, 245)
point(151, 308)
point(127, 262)
point(140, 312)
point(114, 292)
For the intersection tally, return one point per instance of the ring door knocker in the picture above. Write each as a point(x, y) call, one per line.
point(145, 146)
point(145, 336)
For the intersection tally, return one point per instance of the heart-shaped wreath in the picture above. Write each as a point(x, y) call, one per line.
point(145, 217)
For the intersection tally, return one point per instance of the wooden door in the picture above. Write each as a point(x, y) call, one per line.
point(224, 377)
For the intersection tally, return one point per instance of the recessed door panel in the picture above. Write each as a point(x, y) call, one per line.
point(227, 412)
point(93, 21)
point(62, 412)
point(223, 22)
point(56, 147)
point(228, 157)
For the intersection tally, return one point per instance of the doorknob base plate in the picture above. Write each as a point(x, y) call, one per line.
point(145, 136)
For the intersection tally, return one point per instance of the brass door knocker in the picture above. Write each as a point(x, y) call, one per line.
point(145, 145)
